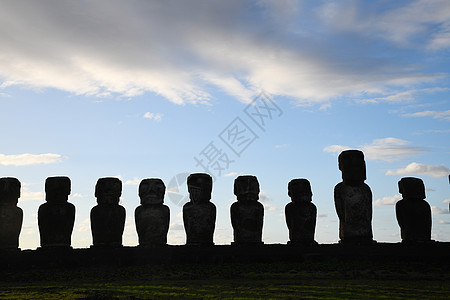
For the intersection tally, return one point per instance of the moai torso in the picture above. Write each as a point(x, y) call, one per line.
point(108, 217)
point(300, 214)
point(56, 217)
point(199, 215)
point(152, 217)
point(247, 214)
point(413, 212)
point(11, 216)
point(353, 199)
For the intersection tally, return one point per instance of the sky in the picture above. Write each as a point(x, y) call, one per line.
point(272, 88)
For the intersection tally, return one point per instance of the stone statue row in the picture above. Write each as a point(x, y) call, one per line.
point(353, 202)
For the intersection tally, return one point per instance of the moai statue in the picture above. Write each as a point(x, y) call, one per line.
point(152, 216)
point(413, 212)
point(353, 200)
point(199, 215)
point(108, 217)
point(247, 214)
point(57, 216)
point(301, 214)
point(11, 216)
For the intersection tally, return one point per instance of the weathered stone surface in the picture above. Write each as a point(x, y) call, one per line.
point(11, 216)
point(301, 214)
point(108, 217)
point(413, 212)
point(199, 215)
point(152, 217)
point(56, 217)
point(247, 214)
point(353, 199)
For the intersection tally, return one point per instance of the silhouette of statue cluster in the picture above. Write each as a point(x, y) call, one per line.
point(352, 199)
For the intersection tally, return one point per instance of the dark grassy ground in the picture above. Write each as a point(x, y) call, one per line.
point(307, 280)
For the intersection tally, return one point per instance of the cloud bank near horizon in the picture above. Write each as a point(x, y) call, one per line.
point(181, 50)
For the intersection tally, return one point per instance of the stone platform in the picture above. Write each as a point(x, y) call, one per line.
point(435, 253)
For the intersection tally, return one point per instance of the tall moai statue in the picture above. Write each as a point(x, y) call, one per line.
point(353, 200)
point(152, 217)
point(108, 217)
point(56, 217)
point(247, 214)
point(11, 216)
point(199, 214)
point(413, 212)
point(300, 214)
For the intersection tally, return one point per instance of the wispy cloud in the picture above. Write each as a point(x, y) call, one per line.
point(180, 50)
point(436, 210)
point(443, 115)
point(386, 149)
point(153, 116)
point(29, 159)
point(446, 201)
point(231, 174)
point(421, 169)
point(134, 181)
point(389, 200)
point(27, 195)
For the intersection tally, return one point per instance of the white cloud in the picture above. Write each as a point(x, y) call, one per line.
point(444, 115)
point(443, 222)
point(29, 159)
point(27, 195)
point(446, 201)
point(231, 174)
point(134, 181)
point(436, 210)
point(281, 146)
point(153, 116)
point(421, 169)
point(387, 200)
point(176, 226)
point(386, 149)
point(181, 50)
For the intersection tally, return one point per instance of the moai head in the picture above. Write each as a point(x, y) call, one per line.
point(9, 191)
point(352, 166)
point(412, 188)
point(108, 190)
point(57, 189)
point(300, 190)
point(246, 188)
point(151, 191)
point(199, 187)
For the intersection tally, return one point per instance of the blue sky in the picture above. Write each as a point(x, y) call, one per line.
point(139, 89)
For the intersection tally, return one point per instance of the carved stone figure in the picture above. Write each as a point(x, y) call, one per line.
point(152, 217)
point(57, 216)
point(199, 215)
point(247, 214)
point(301, 214)
point(11, 216)
point(353, 199)
point(413, 212)
point(108, 217)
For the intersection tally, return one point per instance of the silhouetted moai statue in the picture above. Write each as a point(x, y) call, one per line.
point(11, 216)
point(108, 217)
point(301, 214)
point(152, 217)
point(353, 199)
point(247, 214)
point(57, 216)
point(199, 215)
point(413, 212)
